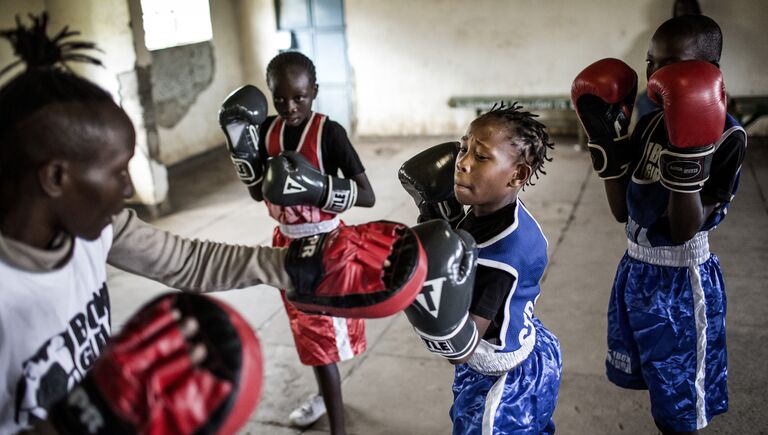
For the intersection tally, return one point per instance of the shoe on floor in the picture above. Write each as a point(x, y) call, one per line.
point(309, 412)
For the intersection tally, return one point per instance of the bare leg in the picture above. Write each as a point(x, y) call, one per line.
point(329, 382)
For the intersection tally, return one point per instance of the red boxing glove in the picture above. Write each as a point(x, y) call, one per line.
point(362, 271)
point(603, 95)
point(692, 95)
point(146, 381)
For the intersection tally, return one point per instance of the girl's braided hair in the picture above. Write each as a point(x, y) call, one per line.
point(525, 132)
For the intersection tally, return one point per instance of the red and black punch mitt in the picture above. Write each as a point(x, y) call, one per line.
point(147, 382)
point(361, 271)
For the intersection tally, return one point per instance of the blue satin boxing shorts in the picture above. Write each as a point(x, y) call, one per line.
point(521, 401)
point(666, 334)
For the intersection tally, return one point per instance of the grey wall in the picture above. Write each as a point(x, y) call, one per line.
point(410, 57)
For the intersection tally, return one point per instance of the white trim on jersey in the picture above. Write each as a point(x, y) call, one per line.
point(512, 271)
point(730, 131)
point(280, 137)
point(303, 134)
point(319, 143)
point(269, 132)
point(534, 220)
point(492, 400)
point(651, 125)
point(504, 233)
point(700, 316)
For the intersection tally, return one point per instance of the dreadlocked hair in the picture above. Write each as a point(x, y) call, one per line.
point(46, 80)
point(290, 60)
point(525, 132)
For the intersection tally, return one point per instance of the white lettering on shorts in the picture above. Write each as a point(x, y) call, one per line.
point(620, 361)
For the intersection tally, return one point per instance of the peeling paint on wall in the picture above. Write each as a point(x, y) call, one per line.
point(179, 75)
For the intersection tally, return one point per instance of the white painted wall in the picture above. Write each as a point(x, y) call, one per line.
point(104, 22)
point(8, 11)
point(410, 57)
point(107, 23)
point(258, 26)
point(199, 130)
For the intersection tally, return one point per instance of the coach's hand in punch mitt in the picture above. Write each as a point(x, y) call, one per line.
point(183, 364)
point(428, 178)
point(240, 116)
point(603, 95)
point(440, 313)
point(362, 271)
point(692, 95)
point(292, 180)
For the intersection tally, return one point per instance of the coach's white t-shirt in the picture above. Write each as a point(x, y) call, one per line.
point(54, 304)
point(53, 325)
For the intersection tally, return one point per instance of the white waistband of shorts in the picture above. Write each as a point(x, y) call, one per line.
point(488, 361)
point(690, 253)
point(295, 231)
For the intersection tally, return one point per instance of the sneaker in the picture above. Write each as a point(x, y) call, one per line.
point(309, 411)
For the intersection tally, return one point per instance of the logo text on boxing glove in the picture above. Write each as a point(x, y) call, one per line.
point(338, 201)
point(439, 346)
point(429, 298)
point(244, 169)
point(292, 186)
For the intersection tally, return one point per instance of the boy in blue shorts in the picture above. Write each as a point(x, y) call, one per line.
point(671, 182)
point(508, 365)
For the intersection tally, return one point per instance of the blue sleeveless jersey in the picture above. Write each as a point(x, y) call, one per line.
point(511, 382)
point(647, 199)
point(521, 251)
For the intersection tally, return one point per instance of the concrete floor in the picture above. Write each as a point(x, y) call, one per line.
point(396, 387)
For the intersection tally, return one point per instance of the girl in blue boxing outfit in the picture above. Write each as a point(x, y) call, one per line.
point(666, 316)
point(509, 384)
point(671, 184)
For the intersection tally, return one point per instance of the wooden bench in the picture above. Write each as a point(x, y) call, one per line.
point(556, 111)
point(748, 109)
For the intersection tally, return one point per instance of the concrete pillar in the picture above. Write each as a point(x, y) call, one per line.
point(115, 25)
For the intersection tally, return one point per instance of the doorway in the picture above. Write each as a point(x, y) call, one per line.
point(318, 30)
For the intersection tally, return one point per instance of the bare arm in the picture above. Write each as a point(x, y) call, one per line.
point(365, 195)
point(616, 192)
point(687, 213)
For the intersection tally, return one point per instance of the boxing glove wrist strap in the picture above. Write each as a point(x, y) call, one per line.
point(685, 169)
point(456, 344)
point(341, 194)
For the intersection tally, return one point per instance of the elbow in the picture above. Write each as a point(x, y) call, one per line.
point(681, 236)
point(460, 360)
point(620, 214)
point(366, 199)
point(681, 231)
point(619, 211)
